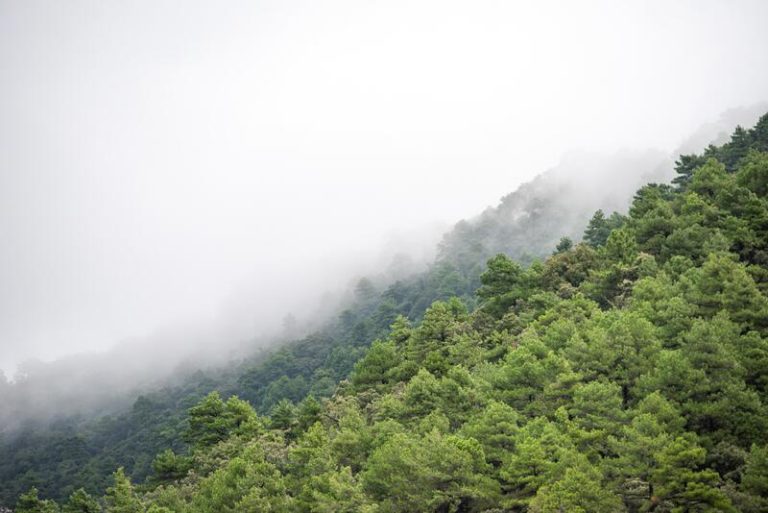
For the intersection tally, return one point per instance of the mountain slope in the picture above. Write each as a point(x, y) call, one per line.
point(316, 363)
point(629, 374)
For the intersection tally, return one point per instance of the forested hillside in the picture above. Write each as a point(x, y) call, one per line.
point(628, 372)
point(526, 225)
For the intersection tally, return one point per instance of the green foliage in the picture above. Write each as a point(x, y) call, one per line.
point(580, 490)
point(730, 154)
point(74, 453)
point(755, 479)
point(308, 412)
point(542, 452)
point(681, 485)
point(81, 502)
point(169, 466)
point(502, 285)
point(340, 492)
point(29, 502)
point(495, 428)
point(753, 173)
point(564, 245)
point(283, 416)
point(121, 497)
point(377, 365)
point(213, 420)
point(600, 227)
point(433, 473)
point(246, 483)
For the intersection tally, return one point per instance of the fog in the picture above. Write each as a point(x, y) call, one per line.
point(180, 171)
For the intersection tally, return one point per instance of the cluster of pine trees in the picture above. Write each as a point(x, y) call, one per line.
point(628, 372)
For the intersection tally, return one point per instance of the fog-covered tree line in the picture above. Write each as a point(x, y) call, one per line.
point(627, 372)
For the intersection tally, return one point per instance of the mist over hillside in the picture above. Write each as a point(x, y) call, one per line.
point(383, 257)
point(105, 382)
point(155, 159)
point(576, 364)
point(526, 224)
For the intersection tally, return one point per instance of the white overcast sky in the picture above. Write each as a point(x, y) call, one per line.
point(156, 157)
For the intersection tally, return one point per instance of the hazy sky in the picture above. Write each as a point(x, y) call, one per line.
point(158, 159)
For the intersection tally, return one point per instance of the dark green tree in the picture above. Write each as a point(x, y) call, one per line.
point(81, 502)
point(29, 502)
point(121, 497)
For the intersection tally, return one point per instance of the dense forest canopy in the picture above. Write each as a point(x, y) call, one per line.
point(625, 372)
